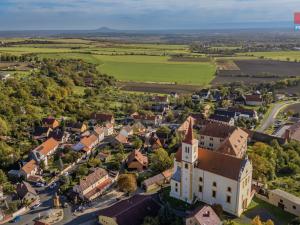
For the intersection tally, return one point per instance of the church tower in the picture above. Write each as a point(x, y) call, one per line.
point(189, 158)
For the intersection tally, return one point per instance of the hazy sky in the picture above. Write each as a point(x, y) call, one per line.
point(145, 14)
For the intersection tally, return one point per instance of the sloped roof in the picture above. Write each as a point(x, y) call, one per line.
point(88, 141)
point(217, 163)
point(189, 138)
point(252, 98)
point(220, 130)
point(121, 138)
point(29, 166)
point(49, 120)
point(206, 216)
point(47, 146)
point(103, 117)
point(295, 131)
point(23, 188)
point(138, 156)
point(92, 178)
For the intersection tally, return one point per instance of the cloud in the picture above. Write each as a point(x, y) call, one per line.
point(136, 13)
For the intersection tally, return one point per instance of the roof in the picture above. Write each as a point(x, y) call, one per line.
point(221, 118)
point(103, 117)
point(98, 188)
point(29, 166)
point(295, 131)
point(49, 120)
point(121, 138)
point(133, 210)
point(286, 195)
point(224, 112)
point(189, 138)
point(220, 130)
point(217, 163)
point(206, 216)
point(177, 175)
point(234, 143)
point(127, 128)
point(92, 178)
point(40, 223)
point(154, 180)
point(136, 155)
point(23, 188)
point(253, 98)
point(249, 112)
point(47, 146)
point(99, 130)
point(39, 131)
point(160, 98)
point(89, 141)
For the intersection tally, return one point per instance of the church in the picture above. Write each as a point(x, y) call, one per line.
point(212, 175)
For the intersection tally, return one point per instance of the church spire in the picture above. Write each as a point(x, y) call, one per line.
point(189, 135)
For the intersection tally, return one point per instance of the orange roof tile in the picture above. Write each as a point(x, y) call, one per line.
point(47, 146)
point(29, 166)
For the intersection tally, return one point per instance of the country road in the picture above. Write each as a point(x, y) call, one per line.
point(272, 116)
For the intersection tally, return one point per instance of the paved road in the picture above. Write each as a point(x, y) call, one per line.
point(272, 116)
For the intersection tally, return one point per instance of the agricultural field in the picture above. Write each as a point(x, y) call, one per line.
point(275, 55)
point(154, 63)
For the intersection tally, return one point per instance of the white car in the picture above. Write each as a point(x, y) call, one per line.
point(39, 184)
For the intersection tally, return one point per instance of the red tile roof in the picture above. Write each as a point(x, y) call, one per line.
point(206, 216)
point(136, 155)
point(92, 178)
point(189, 135)
point(29, 166)
point(47, 146)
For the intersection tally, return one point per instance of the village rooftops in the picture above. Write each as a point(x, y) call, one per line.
point(205, 216)
point(253, 98)
point(221, 118)
point(217, 163)
point(286, 195)
point(23, 188)
point(103, 117)
point(220, 130)
point(47, 146)
point(136, 155)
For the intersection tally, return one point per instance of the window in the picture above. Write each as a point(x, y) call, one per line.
point(228, 200)
point(214, 184)
point(186, 166)
point(211, 139)
point(176, 190)
point(202, 137)
point(294, 207)
point(200, 188)
point(211, 144)
point(229, 189)
point(200, 179)
point(214, 193)
point(201, 143)
point(176, 184)
point(281, 200)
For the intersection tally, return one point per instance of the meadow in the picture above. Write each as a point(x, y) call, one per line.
point(275, 55)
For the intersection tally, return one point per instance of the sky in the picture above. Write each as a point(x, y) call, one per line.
point(145, 14)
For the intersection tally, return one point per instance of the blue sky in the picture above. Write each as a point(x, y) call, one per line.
point(145, 14)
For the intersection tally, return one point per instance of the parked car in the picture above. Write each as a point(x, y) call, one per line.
point(36, 206)
point(39, 184)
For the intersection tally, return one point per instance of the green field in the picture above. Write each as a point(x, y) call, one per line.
point(127, 62)
point(278, 55)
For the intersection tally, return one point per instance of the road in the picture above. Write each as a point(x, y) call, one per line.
point(269, 121)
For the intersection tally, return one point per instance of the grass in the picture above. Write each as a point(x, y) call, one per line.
point(278, 55)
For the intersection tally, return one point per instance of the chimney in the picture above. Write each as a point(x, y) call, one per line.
point(287, 134)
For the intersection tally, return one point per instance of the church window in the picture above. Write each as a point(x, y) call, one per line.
point(176, 190)
point(214, 193)
point(228, 200)
point(211, 139)
point(229, 189)
point(202, 137)
point(214, 184)
point(211, 144)
point(186, 166)
point(200, 179)
point(176, 184)
point(200, 188)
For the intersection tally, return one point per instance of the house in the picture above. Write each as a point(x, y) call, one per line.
point(93, 185)
point(108, 129)
point(254, 100)
point(50, 122)
point(26, 192)
point(161, 100)
point(137, 161)
point(41, 133)
point(224, 119)
point(211, 176)
point(240, 100)
point(78, 127)
point(148, 120)
point(157, 181)
point(103, 118)
point(119, 139)
point(224, 138)
point(126, 131)
point(29, 169)
point(243, 113)
point(203, 216)
point(285, 201)
point(138, 128)
point(87, 144)
point(46, 149)
point(130, 211)
point(99, 132)
point(292, 132)
point(59, 135)
point(204, 94)
point(152, 142)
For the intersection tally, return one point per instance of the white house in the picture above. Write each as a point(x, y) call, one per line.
point(127, 131)
point(45, 150)
point(211, 177)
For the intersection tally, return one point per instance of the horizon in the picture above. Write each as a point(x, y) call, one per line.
point(18, 15)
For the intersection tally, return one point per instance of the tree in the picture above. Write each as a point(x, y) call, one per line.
point(137, 143)
point(256, 221)
point(127, 183)
point(94, 162)
point(60, 164)
point(4, 128)
point(269, 222)
point(170, 116)
point(82, 170)
point(160, 160)
point(7, 155)
point(3, 177)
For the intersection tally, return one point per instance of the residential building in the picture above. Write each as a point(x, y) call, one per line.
point(50, 122)
point(126, 131)
point(130, 211)
point(137, 161)
point(41, 133)
point(119, 139)
point(224, 138)
point(108, 129)
point(211, 176)
point(243, 113)
point(103, 118)
point(285, 201)
point(147, 120)
point(157, 181)
point(26, 192)
point(204, 215)
point(224, 119)
point(254, 100)
point(93, 185)
point(45, 150)
point(292, 132)
point(78, 127)
point(29, 169)
point(87, 144)
point(162, 100)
